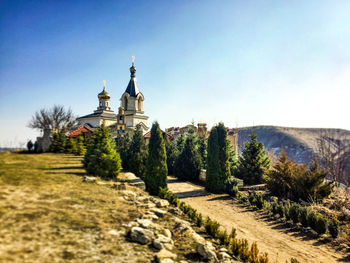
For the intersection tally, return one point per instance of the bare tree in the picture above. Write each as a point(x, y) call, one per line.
point(333, 147)
point(57, 118)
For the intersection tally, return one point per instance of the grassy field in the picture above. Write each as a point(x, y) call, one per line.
point(48, 214)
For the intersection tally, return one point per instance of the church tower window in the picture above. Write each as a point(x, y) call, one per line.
point(125, 103)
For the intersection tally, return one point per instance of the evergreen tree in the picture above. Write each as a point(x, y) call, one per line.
point(123, 142)
point(70, 146)
point(218, 166)
point(101, 158)
point(171, 153)
point(202, 149)
point(232, 158)
point(188, 164)
point(253, 163)
point(61, 142)
point(180, 142)
point(156, 170)
point(138, 153)
point(280, 179)
point(54, 143)
point(310, 184)
point(81, 149)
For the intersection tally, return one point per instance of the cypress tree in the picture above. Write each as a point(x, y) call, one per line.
point(171, 153)
point(101, 158)
point(138, 153)
point(218, 166)
point(253, 163)
point(180, 142)
point(123, 142)
point(54, 143)
point(188, 164)
point(156, 170)
point(81, 149)
point(202, 149)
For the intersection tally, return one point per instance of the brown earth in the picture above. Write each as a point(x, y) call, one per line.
point(279, 241)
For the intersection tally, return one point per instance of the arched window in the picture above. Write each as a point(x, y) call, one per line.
point(125, 103)
point(139, 106)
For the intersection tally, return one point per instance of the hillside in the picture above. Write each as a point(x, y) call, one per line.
point(300, 143)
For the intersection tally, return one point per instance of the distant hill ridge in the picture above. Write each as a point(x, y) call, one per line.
point(300, 143)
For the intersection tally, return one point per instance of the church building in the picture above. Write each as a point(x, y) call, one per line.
point(130, 113)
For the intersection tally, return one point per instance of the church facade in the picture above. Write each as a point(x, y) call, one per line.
point(130, 113)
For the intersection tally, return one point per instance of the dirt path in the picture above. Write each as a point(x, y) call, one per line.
point(279, 242)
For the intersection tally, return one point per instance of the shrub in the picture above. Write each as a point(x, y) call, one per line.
point(81, 149)
point(156, 170)
point(294, 260)
point(233, 233)
point(259, 201)
point(303, 216)
point(286, 211)
point(321, 224)
point(280, 210)
point(274, 208)
point(294, 213)
point(231, 186)
point(333, 228)
point(243, 249)
point(224, 238)
point(212, 227)
point(251, 199)
point(254, 252)
point(312, 219)
point(199, 221)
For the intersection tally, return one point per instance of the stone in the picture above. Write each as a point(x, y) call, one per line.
point(175, 211)
point(162, 203)
point(158, 212)
point(141, 235)
point(223, 255)
point(113, 232)
point(143, 199)
point(89, 179)
point(207, 251)
point(166, 232)
point(151, 217)
point(145, 223)
point(166, 260)
point(119, 187)
point(161, 240)
point(182, 226)
point(163, 254)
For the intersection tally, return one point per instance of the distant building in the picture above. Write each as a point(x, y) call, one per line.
point(201, 128)
point(130, 113)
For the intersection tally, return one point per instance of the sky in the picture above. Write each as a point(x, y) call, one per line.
point(244, 63)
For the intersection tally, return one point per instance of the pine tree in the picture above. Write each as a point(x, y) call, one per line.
point(101, 158)
point(81, 149)
point(156, 170)
point(218, 166)
point(123, 142)
point(54, 143)
point(280, 179)
point(188, 164)
point(138, 153)
point(310, 185)
point(253, 163)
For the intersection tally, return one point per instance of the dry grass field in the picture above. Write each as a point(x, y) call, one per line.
point(48, 214)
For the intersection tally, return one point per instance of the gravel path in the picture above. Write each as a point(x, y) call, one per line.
point(279, 242)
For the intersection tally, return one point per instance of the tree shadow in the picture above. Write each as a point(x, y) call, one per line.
point(194, 193)
point(75, 173)
point(224, 197)
point(65, 168)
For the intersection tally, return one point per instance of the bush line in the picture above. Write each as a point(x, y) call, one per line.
point(237, 247)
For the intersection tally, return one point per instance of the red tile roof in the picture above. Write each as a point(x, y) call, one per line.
point(76, 132)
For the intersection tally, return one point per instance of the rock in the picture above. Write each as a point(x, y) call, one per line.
point(166, 260)
point(161, 240)
point(223, 249)
point(141, 235)
point(175, 211)
point(158, 212)
point(166, 232)
point(145, 223)
point(89, 179)
point(163, 254)
point(129, 195)
point(162, 203)
point(207, 251)
point(197, 238)
point(143, 199)
point(182, 226)
point(223, 255)
point(113, 232)
point(119, 187)
point(131, 224)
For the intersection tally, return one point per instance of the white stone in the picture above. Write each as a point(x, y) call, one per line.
point(146, 223)
point(207, 251)
point(158, 212)
point(141, 235)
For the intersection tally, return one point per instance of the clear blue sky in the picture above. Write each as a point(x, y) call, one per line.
point(245, 63)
